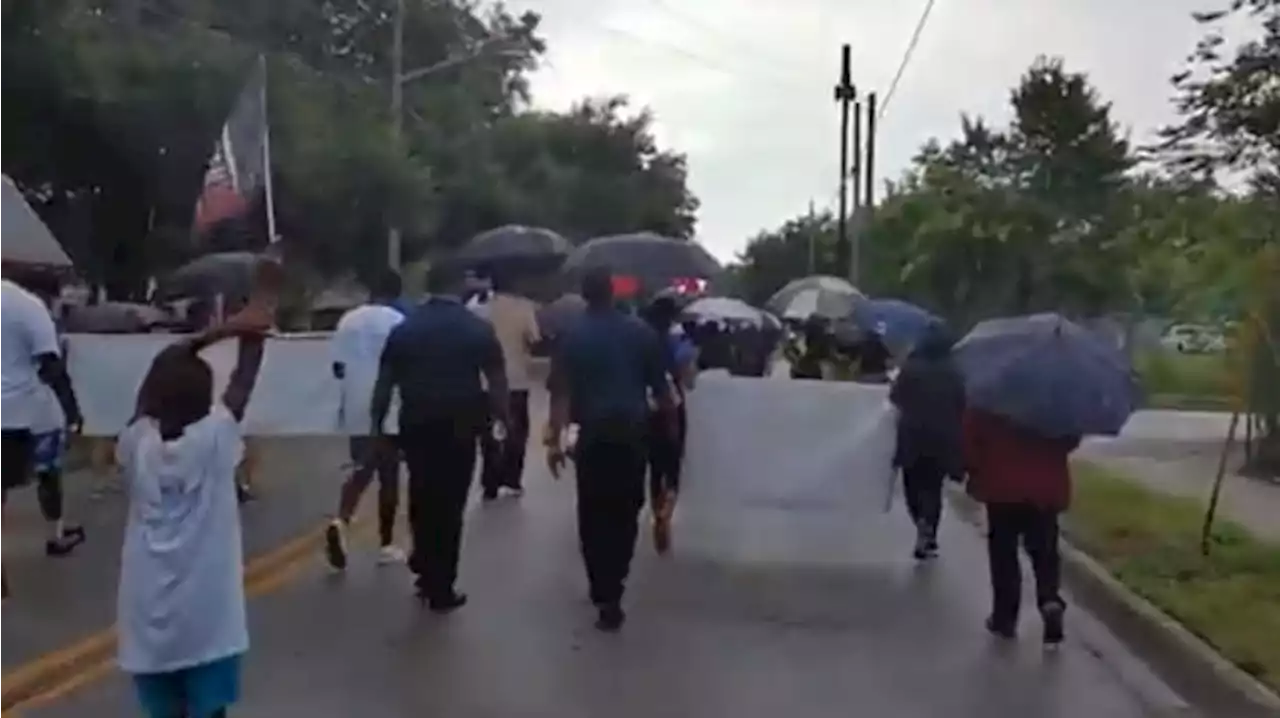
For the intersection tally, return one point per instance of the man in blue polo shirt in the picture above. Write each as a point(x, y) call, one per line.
point(604, 370)
point(435, 358)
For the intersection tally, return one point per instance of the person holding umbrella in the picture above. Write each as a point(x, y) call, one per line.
point(604, 371)
point(1034, 386)
point(666, 447)
point(515, 321)
point(929, 396)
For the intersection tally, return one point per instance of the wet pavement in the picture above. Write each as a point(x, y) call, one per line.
point(786, 626)
point(59, 601)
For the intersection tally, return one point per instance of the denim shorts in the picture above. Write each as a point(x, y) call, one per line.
point(48, 450)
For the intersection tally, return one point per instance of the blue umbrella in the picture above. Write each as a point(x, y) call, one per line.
point(1048, 375)
point(900, 323)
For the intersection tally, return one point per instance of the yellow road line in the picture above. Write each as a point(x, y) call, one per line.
point(59, 672)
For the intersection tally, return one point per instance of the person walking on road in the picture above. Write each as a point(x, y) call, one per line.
point(50, 434)
point(435, 358)
point(515, 321)
point(358, 341)
point(929, 395)
point(32, 364)
point(665, 445)
point(181, 605)
point(603, 372)
point(1025, 482)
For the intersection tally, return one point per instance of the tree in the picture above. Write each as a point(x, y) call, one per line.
point(771, 259)
point(114, 107)
point(1230, 108)
point(1000, 220)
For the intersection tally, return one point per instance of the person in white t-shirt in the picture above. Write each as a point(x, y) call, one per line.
point(180, 619)
point(49, 440)
point(357, 350)
point(32, 368)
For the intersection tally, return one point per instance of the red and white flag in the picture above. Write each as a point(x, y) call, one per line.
point(240, 165)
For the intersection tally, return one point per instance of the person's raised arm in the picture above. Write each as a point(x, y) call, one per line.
point(494, 368)
point(245, 374)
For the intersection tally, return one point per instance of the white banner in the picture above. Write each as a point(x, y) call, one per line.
point(784, 468)
point(296, 393)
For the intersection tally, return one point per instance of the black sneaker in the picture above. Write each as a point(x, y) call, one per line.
point(611, 618)
point(1001, 630)
point(71, 537)
point(1051, 615)
point(448, 603)
point(489, 494)
point(335, 545)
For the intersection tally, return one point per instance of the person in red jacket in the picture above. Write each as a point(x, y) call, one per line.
point(1025, 482)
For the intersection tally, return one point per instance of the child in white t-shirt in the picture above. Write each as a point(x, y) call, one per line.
point(181, 603)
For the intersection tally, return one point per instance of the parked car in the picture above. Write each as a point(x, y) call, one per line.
point(1194, 338)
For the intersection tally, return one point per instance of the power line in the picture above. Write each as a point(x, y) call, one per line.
point(906, 56)
point(707, 27)
point(693, 56)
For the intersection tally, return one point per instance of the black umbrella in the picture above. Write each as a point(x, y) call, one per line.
point(227, 273)
point(513, 244)
point(650, 259)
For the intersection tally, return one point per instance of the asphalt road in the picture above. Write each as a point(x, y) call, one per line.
point(714, 630)
point(59, 601)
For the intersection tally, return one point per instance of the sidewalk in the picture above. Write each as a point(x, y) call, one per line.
point(1181, 458)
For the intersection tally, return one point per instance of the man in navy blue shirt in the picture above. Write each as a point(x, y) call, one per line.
point(604, 371)
point(435, 358)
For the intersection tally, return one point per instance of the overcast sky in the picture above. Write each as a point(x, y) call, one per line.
point(743, 87)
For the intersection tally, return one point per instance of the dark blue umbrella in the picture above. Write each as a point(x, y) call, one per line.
point(1048, 375)
point(901, 324)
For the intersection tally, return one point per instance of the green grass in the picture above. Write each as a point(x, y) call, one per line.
point(1185, 381)
point(1150, 542)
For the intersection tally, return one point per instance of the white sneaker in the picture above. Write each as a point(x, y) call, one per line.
point(390, 554)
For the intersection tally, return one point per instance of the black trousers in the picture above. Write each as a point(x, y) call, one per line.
point(504, 460)
point(922, 480)
point(440, 454)
point(665, 452)
point(610, 474)
point(1036, 530)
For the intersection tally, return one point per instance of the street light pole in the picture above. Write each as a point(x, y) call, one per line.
point(397, 121)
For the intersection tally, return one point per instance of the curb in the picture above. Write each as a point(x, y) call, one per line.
point(60, 666)
point(1186, 662)
point(1191, 666)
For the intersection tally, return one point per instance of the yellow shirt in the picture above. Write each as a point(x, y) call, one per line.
point(515, 321)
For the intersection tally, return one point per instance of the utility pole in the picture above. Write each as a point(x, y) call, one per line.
point(813, 239)
point(855, 169)
point(397, 120)
point(845, 93)
point(871, 152)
